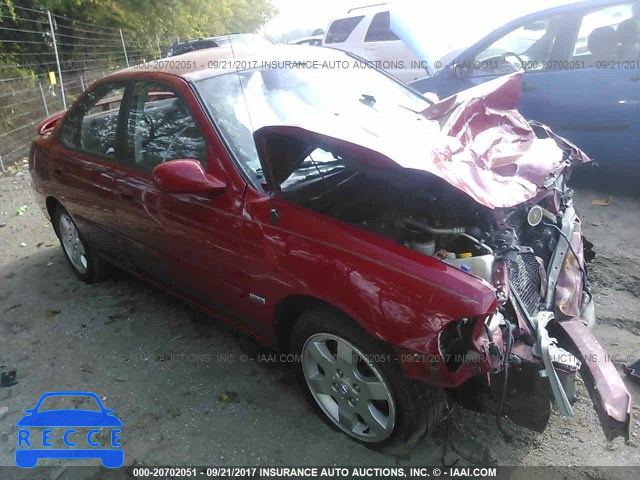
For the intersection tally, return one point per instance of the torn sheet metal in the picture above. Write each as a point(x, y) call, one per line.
point(608, 392)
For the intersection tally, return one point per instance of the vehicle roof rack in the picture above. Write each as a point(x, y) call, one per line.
point(368, 6)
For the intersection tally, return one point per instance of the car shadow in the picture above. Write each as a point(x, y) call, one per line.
point(166, 365)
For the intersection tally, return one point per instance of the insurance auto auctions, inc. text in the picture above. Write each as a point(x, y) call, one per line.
point(376, 472)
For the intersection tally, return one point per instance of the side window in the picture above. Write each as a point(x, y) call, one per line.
point(380, 30)
point(160, 128)
point(340, 30)
point(608, 34)
point(91, 125)
point(533, 42)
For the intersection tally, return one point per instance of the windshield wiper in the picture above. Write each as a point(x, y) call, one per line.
point(410, 109)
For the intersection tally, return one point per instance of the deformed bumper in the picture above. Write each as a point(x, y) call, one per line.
point(609, 394)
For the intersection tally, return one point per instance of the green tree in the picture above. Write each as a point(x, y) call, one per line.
point(144, 23)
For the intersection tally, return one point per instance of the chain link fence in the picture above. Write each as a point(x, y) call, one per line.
point(46, 61)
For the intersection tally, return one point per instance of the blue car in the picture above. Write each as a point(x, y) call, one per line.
point(29, 451)
point(581, 65)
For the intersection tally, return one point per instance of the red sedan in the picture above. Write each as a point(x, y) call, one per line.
point(411, 254)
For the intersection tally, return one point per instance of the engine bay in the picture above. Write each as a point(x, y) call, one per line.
point(427, 215)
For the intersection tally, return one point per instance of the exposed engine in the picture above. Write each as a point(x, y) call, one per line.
point(434, 219)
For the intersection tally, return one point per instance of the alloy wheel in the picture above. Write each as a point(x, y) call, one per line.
point(348, 387)
point(72, 243)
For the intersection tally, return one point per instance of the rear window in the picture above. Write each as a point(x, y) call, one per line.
point(340, 30)
point(180, 49)
point(205, 44)
point(91, 125)
point(380, 30)
point(191, 46)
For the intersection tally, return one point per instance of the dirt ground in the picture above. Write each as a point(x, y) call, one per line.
point(192, 391)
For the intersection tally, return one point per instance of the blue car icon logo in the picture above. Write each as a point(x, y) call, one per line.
point(33, 446)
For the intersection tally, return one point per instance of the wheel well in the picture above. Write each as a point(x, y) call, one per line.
point(51, 204)
point(288, 312)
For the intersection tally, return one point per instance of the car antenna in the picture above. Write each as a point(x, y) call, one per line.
point(244, 96)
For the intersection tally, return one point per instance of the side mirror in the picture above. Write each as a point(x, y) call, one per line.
point(186, 176)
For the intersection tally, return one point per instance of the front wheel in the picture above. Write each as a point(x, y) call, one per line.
point(358, 386)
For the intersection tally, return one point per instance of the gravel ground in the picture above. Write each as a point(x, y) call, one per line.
point(192, 391)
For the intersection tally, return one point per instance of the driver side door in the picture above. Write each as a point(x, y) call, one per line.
point(536, 41)
point(186, 242)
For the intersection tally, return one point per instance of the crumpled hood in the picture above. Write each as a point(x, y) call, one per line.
point(475, 140)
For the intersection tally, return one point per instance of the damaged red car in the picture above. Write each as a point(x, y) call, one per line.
point(412, 254)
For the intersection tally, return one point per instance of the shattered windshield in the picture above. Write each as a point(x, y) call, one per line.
point(278, 93)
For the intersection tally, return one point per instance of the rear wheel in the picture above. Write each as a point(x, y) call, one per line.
point(358, 386)
point(87, 266)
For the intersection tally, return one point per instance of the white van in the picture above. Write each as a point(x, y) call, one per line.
point(365, 32)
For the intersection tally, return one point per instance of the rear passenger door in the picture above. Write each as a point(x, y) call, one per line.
point(186, 242)
point(88, 163)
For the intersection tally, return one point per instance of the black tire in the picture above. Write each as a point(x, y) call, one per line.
point(418, 407)
point(91, 268)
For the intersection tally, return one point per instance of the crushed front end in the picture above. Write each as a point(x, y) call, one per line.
point(470, 183)
point(539, 338)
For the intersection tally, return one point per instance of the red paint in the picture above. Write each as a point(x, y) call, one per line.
point(215, 250)
point(212, 239)
point(46, 127)
point(186, 176)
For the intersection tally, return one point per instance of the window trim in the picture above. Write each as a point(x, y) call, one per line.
point(129, 162)
point(254, 182)
point(358, 17)
point(366, 35)
point(117, 157)
point(576, 20)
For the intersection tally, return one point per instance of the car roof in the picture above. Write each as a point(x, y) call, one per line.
point(305, 39)
point(203, 39)
point(211, 62)
point(366, 10)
